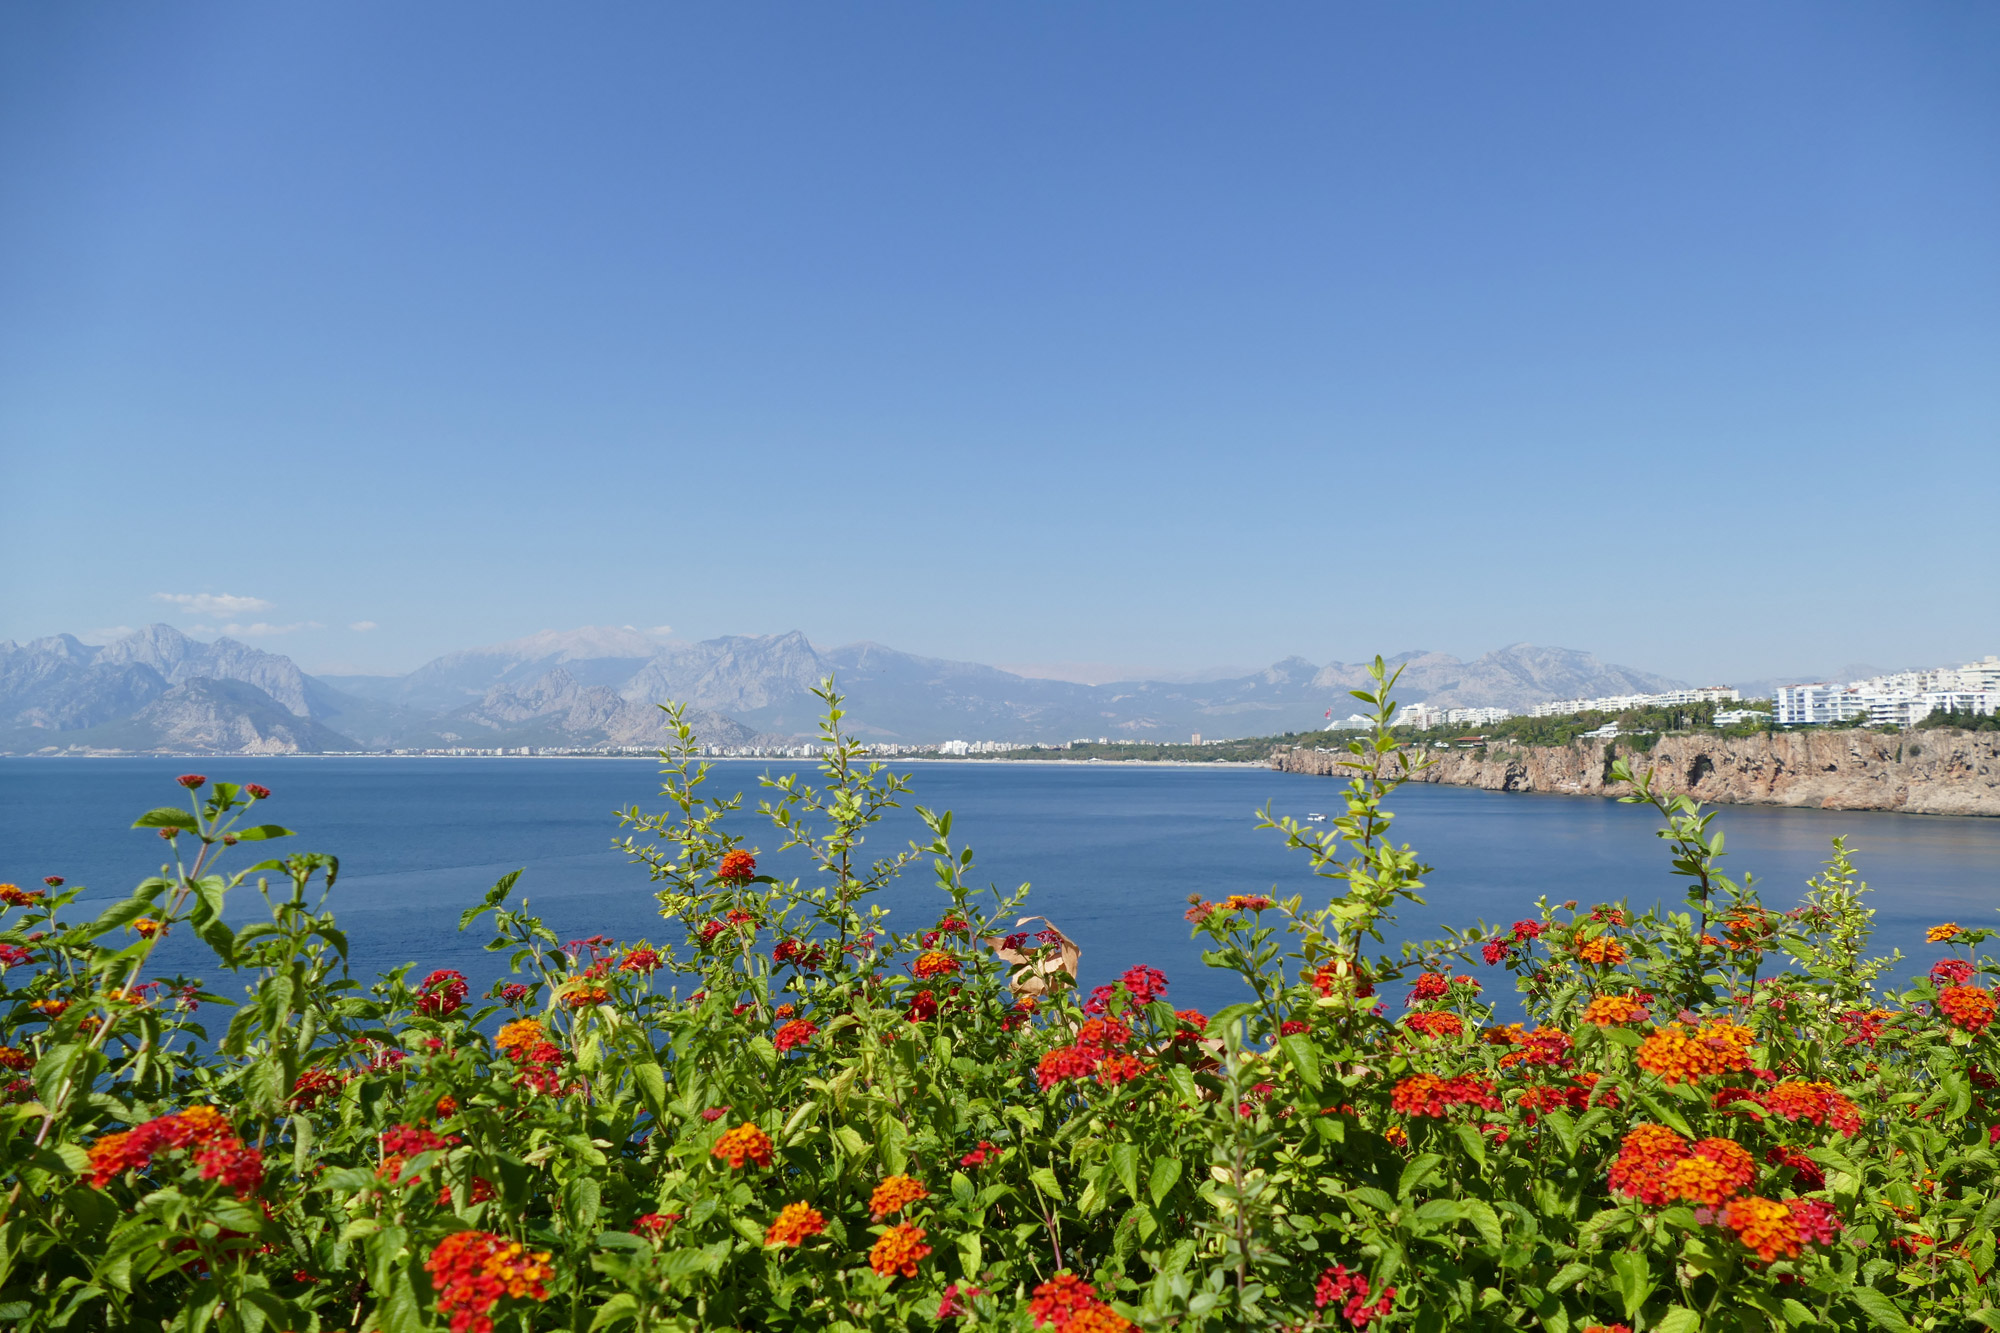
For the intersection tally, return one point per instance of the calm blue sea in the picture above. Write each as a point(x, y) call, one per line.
point(1112, 851)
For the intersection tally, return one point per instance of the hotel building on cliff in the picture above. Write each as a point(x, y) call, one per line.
point(1901, 699)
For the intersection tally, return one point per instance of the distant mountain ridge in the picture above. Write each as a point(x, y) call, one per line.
point(160, 690)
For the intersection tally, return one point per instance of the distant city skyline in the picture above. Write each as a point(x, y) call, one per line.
point(1106, 339)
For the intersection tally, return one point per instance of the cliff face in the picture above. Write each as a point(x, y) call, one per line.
point(1924, 772)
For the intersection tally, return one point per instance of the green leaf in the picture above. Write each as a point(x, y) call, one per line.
point(1125, 1161)
point(582, 1199)
point(1045, 1181)
point(1416, 1173)
point(261, 833)
point(1880, 1309)
point(494, 897)
point(1632, 1277)
point(166, 817)
point(1569, 1275)
point(652, 1084)
point(1440, 1211)
point(1680, 1319)
point(1160, 1181)
point(1484, 1220)
point(1564, 1128)
point(1473, 1142)
point(1299, 1048)
point(617, 1310)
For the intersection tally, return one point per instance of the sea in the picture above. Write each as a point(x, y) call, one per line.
point(1111, 851)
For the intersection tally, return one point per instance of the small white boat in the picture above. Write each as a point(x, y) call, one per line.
point(1315, 818)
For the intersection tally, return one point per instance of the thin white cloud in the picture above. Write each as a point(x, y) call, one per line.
point(213, 603)
point(364, 626)
point(260, 630)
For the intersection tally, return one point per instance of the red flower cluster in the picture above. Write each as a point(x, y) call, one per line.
point(1430, 986)
point(923, 1007)
point(473, 1270)
point(202, 1130)
point(1435, 1023)
point(654, 1224)
point(13, 895)
point(1546, 1047)
point(1095, 1051)
point(1429, 1095)
point(1578, 1096)
point(314, 1085)
point(1501, 947)
point(13, 955)
point(1145, 984)
point(640, 960)
point(981, 1155)
point(1864, 1026)
point(404, 1142)
point(799, 954)
point(514, 992)
point(737, 867)
point(258, 792)
point(1349, 1293)
point(192, 781)
point(441, 993)
point(1068, 1304)
point(1804, 1169)
point(1951, 972)
point(949, 1306)
point(795, 1033)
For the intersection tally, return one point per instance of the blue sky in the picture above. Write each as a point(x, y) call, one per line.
point(1152, 334)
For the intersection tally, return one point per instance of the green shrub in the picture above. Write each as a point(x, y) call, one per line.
point(793, 1115)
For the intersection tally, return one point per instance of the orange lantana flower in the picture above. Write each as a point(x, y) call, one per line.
point(895, 1194)
point(1679, 1056)
point(796, 1221)
point(898, 1250)
point(745, 1143)
point(1602, 950)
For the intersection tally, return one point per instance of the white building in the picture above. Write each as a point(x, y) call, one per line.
point(1817, 704)
point(1618, 703)
point(1902, 699)
point(1421, 716)
point(1477, 717)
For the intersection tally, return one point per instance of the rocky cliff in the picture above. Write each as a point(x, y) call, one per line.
point(1939, 772)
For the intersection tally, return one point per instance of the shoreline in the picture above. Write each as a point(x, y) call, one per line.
point(1917, 773)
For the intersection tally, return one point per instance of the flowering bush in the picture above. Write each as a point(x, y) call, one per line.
point(790, 1113)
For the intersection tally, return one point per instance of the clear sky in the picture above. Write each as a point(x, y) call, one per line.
point(1156, 334)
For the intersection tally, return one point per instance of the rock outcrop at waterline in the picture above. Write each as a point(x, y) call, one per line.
point(1939, 772)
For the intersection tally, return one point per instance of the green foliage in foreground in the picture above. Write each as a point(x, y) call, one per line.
point(795, 1115)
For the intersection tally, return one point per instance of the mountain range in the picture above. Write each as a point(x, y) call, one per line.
point(158, 690)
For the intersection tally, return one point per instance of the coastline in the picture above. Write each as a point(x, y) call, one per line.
point(1936, 772)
